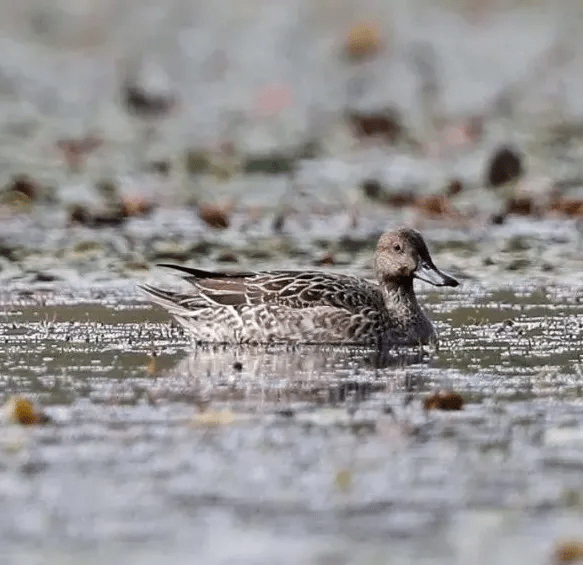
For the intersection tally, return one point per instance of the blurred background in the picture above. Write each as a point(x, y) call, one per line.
point(257, 114)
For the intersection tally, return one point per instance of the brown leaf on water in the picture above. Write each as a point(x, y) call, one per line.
point(326, 259)
point(570, 551)
point(136, 205)
point(215, 216)
point(21, 411)
point(572, 207)
point(436, 206)
point(444, 400)
point(75, 151)
point(364, 40)
point(385, 123)
point(520, 206)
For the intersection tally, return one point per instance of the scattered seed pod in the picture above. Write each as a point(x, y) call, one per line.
point(444, 400)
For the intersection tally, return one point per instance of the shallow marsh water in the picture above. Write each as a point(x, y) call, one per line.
point(288, 454)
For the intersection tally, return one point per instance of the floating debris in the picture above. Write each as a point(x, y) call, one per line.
point(521, 206)
point(385, 124)
point(75, 151)
point(25, 186)
point(136, 205)
point(139, 102)
point(20, 410)
point(454, 187)
point(364, 40)
point(572, 207)
point(568, 552)
point(327, 259)
point(444, 400)
point(215, 216)
point(228, 257)
point(437, 205)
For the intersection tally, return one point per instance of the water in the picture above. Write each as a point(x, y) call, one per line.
point(319, 453)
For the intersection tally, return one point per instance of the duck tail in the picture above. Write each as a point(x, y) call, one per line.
point(165, 298)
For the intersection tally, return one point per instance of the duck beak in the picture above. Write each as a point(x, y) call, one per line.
point(428, 272)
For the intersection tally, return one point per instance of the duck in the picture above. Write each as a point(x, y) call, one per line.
point(311, 306)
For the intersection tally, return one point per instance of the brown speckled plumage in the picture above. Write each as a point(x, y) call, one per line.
point(312, 306)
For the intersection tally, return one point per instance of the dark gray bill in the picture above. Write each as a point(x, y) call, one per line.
point(432, 275)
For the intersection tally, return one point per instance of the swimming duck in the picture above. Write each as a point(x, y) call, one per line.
point(312, 306)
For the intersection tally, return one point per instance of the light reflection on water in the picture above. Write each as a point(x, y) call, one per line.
point(490, 342)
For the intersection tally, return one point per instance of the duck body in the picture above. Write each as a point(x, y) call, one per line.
point(311, 306)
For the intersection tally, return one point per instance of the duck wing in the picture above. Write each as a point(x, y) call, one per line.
point(286, 289)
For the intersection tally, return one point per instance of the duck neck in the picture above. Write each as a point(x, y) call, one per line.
point(399, 296)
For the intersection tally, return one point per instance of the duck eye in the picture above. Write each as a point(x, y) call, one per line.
point(396, 246)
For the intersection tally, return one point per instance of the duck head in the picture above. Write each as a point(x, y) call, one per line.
point(402, 255)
